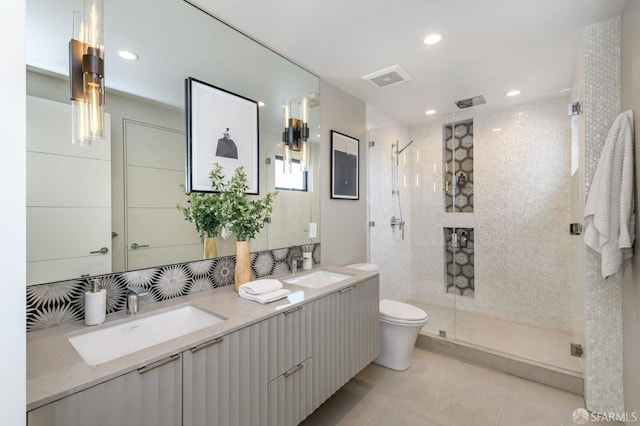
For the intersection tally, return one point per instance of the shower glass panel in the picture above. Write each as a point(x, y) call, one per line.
point(487, 255)
point(510, 262)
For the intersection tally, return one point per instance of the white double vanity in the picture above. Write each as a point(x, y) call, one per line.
point(253, 364)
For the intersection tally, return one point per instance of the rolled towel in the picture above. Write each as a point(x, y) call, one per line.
point(260, 286)
point(265, 297)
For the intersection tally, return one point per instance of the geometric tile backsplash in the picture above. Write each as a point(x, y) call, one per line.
point(56, 303)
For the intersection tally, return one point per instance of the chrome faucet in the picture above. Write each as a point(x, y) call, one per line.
point(295, 259)
point(133, 294)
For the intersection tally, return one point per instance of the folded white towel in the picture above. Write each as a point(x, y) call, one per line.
point(265, 297)
point(260, 286)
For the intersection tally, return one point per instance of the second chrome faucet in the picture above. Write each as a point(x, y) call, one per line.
point(134, 293)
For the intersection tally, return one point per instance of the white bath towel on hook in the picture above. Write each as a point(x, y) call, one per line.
point(610, 210)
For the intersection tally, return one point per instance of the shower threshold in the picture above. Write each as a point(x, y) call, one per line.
point(537, 354)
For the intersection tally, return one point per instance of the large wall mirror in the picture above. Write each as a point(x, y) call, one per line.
point(132, 182)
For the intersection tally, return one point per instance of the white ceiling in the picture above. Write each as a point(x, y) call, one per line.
point(489, 46)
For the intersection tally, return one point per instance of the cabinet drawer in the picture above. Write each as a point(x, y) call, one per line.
point(150, 396)
point(290, 399)
point(288, 343)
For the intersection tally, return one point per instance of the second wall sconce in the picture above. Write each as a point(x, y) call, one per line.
point(296, 133)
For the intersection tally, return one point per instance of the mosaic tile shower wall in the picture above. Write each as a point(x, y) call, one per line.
point(603, 328)
point(386, 247)
point(458, 243)
point(458, 155)
point(57, 303)
point(520, 214)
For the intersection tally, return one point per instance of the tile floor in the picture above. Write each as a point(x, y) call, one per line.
point(438, 390)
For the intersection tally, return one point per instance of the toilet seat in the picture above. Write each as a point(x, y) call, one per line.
point(401, 313)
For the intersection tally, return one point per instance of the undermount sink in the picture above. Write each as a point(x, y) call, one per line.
point(105, 344)
point(317, 279)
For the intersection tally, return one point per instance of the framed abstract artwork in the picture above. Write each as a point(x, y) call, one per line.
point(222, 127)
point(344, 166)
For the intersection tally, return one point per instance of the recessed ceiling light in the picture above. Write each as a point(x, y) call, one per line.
point(432, 39)
point(260, 103)
point(497, 129)
point(128, 55)
point(513, 93)
point(430, 112)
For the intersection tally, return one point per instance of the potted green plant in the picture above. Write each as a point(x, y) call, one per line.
point(204, 211)
point(243, 217)
point(230, 211)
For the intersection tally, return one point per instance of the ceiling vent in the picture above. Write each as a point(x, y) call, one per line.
point(387, 77)
point(469, 102)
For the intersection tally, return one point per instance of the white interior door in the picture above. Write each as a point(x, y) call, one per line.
point(68, 197)
point(157, 233)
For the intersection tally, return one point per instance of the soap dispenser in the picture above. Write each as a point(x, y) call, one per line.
point(95, 303)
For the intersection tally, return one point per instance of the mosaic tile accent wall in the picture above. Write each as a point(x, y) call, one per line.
point(459, 262)
point(458, 155)
point(57, 303)
point(603, 305)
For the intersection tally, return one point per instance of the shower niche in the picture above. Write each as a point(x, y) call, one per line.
point(458, 166)
point(459, 245)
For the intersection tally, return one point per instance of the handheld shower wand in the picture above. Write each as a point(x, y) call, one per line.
point(395, 186)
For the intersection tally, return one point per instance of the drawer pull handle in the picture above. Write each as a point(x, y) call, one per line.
point(344, 290)
point(294, 370)
point(160, 363)
point(360, 284)
point(206, 345)
point(290, 311)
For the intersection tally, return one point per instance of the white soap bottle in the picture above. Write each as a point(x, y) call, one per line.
point(95, 304)
point(307, 261)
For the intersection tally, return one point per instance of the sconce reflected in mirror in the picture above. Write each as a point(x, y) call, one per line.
point(86, 74)
point(296, 133)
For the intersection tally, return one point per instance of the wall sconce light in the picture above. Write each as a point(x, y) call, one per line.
point(296, 133)
point(86, 74)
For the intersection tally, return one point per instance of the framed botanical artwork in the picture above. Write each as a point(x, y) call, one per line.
point(222, 127)
point(344, 166)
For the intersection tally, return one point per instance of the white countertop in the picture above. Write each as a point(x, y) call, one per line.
point(55, 369)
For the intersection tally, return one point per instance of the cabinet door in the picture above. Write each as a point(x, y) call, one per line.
point(344, 334)
point(328, 340)
point(150, 396)
point(365, 337)
point(290, 398)
point(225, 380)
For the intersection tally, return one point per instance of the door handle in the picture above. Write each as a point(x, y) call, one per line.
point(136, 246)
point(102, 250)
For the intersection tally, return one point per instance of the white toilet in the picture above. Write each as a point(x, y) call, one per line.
point(400, 324)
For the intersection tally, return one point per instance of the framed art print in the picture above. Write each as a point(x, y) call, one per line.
point(222, 127)
point(344, 166)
